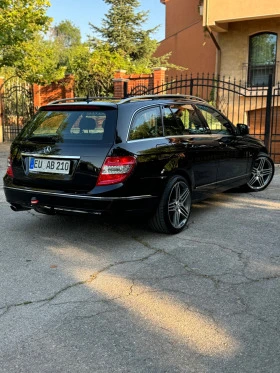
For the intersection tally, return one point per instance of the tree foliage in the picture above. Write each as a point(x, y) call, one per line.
point(67, 33)
point(122, 43)
point(122, 34)
point(42, 61)
point(47, 59)
point(20, 20)
point(122, 29)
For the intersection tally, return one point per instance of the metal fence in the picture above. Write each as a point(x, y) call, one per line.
point(257, 106)
point(16, 106)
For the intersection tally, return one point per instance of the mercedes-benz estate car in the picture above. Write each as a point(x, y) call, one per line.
point(151, 155)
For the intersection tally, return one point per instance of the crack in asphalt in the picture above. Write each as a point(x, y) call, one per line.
point(187, 267)
point(248, 310)
point(91, 278)
point(244, 259)
point(238, 253)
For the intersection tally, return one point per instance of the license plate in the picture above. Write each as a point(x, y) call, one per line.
point(53, 166)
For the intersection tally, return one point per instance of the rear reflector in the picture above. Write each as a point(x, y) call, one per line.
point(34, 201)
point(9, 169)
point(115, 170)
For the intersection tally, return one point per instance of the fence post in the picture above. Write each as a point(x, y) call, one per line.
point(268, 113)
point(158, 77)
point(191, 86)
point(119, 88)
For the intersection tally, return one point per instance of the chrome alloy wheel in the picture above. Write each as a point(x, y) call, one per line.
point(262, 173)
point(179, 204)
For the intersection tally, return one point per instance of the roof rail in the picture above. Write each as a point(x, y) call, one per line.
point(164, 97)
point(86, 99)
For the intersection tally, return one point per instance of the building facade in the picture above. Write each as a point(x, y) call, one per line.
point(247, 34)
point(225, 37)
point(190, 45)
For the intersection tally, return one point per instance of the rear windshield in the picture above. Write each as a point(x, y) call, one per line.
point(70, 126)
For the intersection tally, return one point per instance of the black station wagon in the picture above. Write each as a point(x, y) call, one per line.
point(148, 154)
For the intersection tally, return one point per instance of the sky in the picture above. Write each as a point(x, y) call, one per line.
point(81, 12)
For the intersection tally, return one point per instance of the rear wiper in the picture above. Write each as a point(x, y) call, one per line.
point(43, 138)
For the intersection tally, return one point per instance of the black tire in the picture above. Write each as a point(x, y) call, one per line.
point(173, 211)
point(262, 173)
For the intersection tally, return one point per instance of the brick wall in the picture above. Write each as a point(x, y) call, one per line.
point(55, 91)
point(136, 84)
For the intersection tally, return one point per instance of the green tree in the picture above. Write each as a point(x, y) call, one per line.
point(47, 60)
point(19, 21)
point(41, 62)
point(95, 69)
point(122, 29)
point(122, 32)
point(68, 33)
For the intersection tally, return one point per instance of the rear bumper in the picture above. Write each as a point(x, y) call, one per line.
point(54, 201)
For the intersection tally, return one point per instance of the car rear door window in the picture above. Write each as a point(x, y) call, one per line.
point(146, 124)
point(173, 125)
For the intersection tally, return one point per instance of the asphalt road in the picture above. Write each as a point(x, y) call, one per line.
point(82, 294)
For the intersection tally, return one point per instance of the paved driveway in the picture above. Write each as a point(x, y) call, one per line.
point(81, 295)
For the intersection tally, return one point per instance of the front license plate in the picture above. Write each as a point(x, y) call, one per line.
point(53, 166)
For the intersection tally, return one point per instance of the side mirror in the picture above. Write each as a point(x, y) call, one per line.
point(242, 129)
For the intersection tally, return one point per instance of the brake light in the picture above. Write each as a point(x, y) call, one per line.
point(9, 171)
point(115, 170)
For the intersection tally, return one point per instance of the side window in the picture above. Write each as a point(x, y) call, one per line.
point(146, 124)
point(189, 119)
point(215, 121)
point(173, 124)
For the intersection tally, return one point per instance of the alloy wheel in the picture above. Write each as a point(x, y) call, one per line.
point(179, 204)
point(262, 173)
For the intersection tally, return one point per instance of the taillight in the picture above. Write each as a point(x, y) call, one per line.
point(9, 169)
point(115, 170)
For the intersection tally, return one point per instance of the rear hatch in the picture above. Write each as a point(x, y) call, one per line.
point(64, 147)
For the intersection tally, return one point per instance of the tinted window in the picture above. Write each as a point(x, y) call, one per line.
point(146, 124)
point(215, 121)
point(172, 122)
point(189, 119)
point(69, 126)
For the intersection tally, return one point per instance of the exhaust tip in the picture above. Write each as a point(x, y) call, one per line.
point(17, 208)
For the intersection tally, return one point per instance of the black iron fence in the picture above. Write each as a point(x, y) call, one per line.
point(16, 106)
point(257, 106)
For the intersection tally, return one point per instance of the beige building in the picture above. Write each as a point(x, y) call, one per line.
point(247, 34)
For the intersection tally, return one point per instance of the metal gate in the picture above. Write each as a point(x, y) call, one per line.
point(257, 106)
point(16, 106)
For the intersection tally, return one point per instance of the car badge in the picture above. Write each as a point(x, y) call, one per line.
point(47, 150)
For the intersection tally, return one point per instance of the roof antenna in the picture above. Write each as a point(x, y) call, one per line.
point(87, 98)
